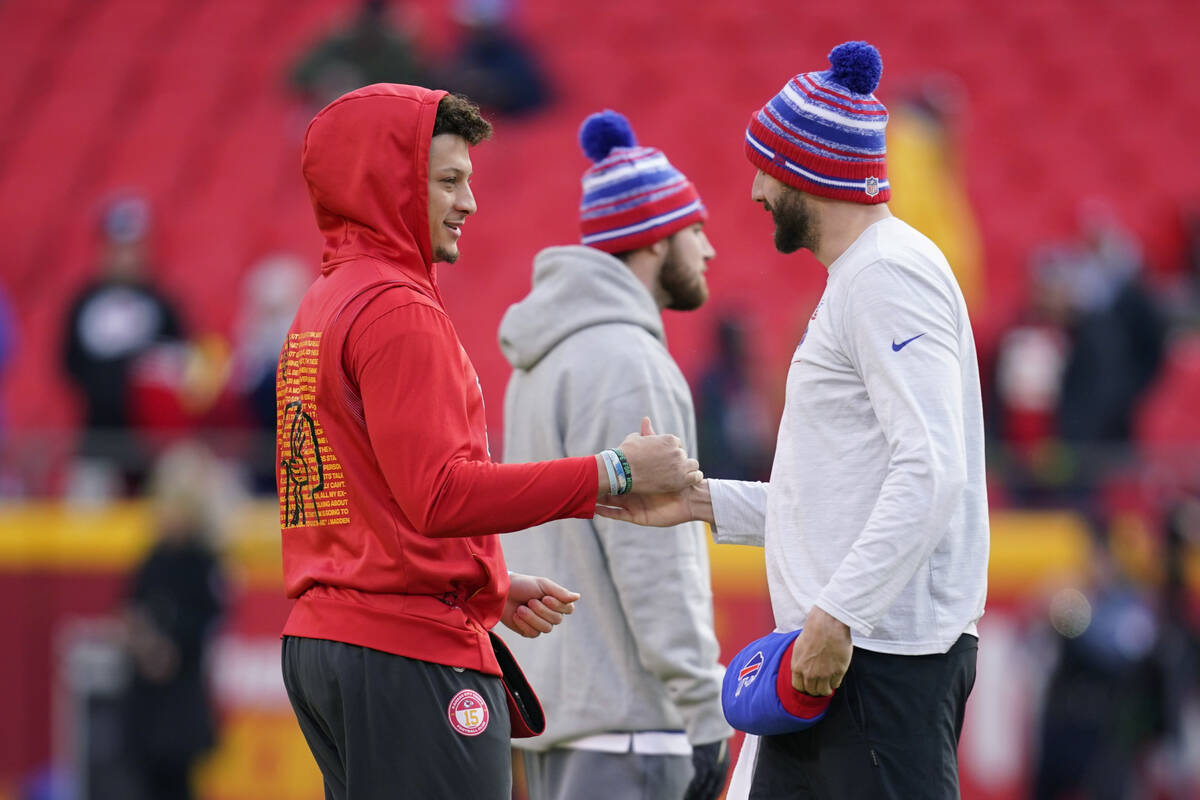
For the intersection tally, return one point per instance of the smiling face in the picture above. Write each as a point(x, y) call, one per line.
point(450, 198)
point(795, 222)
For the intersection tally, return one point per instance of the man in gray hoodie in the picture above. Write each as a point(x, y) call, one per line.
point(632, 691)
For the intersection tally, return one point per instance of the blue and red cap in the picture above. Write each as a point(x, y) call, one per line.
point(824, 132)
point(632, 196)
point(757, 695)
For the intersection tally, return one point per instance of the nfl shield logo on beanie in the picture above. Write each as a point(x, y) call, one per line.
point(757, 695)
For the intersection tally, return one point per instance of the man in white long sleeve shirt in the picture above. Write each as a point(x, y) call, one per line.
point(875, 517)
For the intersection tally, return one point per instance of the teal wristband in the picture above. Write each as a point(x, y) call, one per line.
point(628, 487)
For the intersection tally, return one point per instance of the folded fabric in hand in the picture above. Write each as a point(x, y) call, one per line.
point(757, 695)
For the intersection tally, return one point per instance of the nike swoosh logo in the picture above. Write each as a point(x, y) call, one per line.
point(896, 348)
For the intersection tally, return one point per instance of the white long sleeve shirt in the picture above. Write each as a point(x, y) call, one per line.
point(876, 510)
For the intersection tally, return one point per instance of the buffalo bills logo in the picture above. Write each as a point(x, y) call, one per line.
point(749, 672)
point(778, 160)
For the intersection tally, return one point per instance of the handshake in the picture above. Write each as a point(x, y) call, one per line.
point(647, 463)
point(663, 485)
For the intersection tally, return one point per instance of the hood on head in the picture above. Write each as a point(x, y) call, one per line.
point(366, 163)
point(574, 287)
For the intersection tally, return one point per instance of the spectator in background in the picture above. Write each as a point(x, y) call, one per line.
point(372, 49)
point(1070, 373)
point(1104, 705)
point(175, 600)
point(1030, 360)
point(492, 65)
point(111, 323)
point(1117, 333)
point(1179, 647)
point(926, 170)
point(734, 435)
point(271, 294)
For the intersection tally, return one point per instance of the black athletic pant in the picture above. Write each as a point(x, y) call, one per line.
point(891, 733)
point(386, 727)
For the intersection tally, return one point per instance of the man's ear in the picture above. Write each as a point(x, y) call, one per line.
point(660, 248)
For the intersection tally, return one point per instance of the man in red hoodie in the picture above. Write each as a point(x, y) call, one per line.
point(389, 500)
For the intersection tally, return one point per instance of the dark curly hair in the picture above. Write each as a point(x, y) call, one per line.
point(459, 116)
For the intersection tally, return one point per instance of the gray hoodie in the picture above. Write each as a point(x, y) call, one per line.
point(639, 653)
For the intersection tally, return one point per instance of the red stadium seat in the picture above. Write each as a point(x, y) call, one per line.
point(188, 101)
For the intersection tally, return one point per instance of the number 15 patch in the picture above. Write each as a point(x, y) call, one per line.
point(468, 713)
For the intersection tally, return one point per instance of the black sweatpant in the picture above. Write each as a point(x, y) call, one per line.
point(891, 733)
point(385, 727)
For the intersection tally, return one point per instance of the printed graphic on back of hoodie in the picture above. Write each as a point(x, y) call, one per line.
point(312, 486)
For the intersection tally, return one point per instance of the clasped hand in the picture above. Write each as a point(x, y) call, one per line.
point(658, 462)
point(821, 654)
point(535, 605)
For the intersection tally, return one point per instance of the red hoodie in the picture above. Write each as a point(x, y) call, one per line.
point(389, 501)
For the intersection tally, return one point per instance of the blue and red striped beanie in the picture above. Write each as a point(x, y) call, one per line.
point(632, 196)
point(824, 132)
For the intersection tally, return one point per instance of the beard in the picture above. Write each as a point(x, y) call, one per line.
point(685, 288)
point(795, 227)
point(441, 254)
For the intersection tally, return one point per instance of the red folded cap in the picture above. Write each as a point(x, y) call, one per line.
point(796, 702)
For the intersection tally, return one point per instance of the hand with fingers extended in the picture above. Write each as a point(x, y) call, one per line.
point(658, 463)
point(821, 654)
point(535, 605)
point(660, 510)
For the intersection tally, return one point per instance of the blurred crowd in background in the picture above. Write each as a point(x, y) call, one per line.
point(1091, 380)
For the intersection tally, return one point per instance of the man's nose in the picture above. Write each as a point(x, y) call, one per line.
point(466, 201)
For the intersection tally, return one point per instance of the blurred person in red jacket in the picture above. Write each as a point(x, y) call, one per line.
point(389, 499)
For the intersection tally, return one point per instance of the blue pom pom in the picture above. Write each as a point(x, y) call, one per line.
point(601, 132)
point(857, 66)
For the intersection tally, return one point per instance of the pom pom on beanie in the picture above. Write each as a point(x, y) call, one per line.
point(603, 131)
point(857, 66)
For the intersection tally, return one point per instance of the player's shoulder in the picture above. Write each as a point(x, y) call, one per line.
point(622, 361)
point(896, 260)
point(614, 346)
point(906, 248)
point(400, 303)
point(387, 311)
